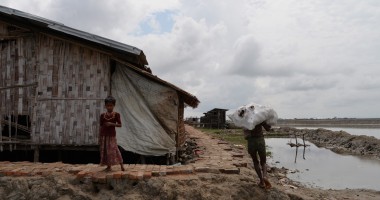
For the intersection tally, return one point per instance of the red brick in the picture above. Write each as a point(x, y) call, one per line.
point(170, 171)
point(231, 171)
point(82, 174)
point(149, 167)
point(143, 167)
point(124, 175)
point(132, 166)
point(147, 175)
point(186, 170)
point(136, 175)
point(162, 170)
point(15, 172)
point(240, 164)
point(156, 170)
point(155, 173)
point(117, 175)
point(9, 172)
point(201, 169)
point(75, 170)
point(238, 155)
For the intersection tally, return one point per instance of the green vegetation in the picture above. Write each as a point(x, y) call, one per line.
point(234, 136)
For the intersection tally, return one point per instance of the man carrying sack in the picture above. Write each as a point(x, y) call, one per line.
point(253, 118)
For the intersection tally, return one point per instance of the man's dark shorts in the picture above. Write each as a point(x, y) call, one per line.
point(256, 145)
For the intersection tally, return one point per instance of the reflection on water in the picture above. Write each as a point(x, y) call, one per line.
point(324, 168)
point(353, 131)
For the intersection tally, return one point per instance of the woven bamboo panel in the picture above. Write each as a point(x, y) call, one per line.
point(73, 80)
point(17, 73)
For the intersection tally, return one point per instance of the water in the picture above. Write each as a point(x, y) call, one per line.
point(324, 168)
point(353, 131)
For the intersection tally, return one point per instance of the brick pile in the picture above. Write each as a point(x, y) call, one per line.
point(215, 157)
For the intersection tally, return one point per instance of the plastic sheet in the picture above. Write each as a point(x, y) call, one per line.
point(149, 113)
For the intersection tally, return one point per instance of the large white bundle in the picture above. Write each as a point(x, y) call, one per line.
point(252, 114)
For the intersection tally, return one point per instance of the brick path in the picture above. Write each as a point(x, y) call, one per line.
point(215, 156)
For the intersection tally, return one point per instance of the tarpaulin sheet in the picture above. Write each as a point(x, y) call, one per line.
point(149, 113)
point(252, 114)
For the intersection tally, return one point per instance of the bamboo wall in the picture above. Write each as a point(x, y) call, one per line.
point(73, 81)
point(59, 84)
point(17, 76)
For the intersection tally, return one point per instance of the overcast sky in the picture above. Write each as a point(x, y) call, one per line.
point(316, 58)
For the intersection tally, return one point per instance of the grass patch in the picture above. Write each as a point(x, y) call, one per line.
point(234, 136)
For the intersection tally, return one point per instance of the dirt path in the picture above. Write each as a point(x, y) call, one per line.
point(222, 171)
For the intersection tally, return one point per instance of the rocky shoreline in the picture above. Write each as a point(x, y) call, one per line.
point(337, 141)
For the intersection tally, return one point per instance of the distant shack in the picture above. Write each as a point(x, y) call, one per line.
point(215, 118)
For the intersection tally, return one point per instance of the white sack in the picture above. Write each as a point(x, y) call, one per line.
point(253, 114)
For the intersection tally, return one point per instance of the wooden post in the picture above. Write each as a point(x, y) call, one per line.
point(142, 159)
point(1, 133)
point(36, 157)
point(303, 138)
point(59, 155)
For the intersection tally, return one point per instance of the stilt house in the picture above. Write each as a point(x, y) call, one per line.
point(53, 80)
point(215, 118)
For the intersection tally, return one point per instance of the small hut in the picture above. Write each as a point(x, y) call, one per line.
point(215, 118)
point(53, 80)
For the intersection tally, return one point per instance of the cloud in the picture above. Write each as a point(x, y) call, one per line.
point(305, 58)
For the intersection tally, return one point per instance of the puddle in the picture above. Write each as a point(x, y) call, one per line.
point(324, 168)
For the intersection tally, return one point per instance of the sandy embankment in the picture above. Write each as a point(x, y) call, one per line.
point(338, 141)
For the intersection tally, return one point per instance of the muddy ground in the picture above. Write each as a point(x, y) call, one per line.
point(212, 186)
point(199, 186)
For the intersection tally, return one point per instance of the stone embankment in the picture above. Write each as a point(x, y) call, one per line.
point(338, 141)
point(335, 122)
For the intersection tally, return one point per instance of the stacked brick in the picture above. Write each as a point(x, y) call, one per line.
point(215, 157)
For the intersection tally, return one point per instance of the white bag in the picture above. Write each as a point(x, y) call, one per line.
point(252, 114)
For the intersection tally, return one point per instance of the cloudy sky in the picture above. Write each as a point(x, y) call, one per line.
point(317, 58)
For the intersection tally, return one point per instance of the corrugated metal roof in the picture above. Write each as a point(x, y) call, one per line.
point(40, 21)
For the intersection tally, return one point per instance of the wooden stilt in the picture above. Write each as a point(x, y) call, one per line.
point(142, 159)
point(36, 157)
point(59, 156)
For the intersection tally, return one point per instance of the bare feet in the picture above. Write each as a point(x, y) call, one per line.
point(107, 169)
point(261, 184)
point(267, 183)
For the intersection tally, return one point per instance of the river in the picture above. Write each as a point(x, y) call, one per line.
point(320, 167)
point(353, 131)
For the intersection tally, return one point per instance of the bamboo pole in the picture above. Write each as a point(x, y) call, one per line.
point(18, 86)
point(1, 132)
